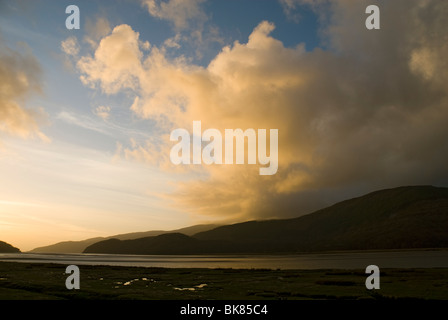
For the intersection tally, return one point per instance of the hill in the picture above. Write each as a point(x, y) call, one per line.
point(67, 246)
point(405, 217)
point(168, 243)
point(399, 218)
point(80, 246)
point(7, 248)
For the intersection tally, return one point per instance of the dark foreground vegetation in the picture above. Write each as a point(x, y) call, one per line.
point(47, 281)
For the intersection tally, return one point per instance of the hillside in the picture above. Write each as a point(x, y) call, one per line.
point(400, 218)
point(7, 248)
point(168, 243)
point(80, 246)
point(67, 246)
point(405, 217)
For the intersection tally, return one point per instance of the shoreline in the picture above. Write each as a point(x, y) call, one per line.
point(252, 254)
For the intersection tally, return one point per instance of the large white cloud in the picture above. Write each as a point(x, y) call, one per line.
point(116, 63)
point(370, 112)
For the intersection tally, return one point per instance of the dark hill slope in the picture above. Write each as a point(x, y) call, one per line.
point(7, 248)
point(169, 243)
point(405, 217)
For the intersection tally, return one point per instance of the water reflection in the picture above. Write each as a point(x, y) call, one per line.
point(345, 260)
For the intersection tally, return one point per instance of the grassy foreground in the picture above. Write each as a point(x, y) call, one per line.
point(47, 281)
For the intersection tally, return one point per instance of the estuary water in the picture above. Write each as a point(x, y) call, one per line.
point(342, 260)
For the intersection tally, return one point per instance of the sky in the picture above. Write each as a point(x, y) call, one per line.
point(86, 114)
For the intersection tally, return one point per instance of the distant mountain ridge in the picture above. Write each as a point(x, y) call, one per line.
point(80, 246)
point(7, 248)
point(399, 218)
point(168, 244)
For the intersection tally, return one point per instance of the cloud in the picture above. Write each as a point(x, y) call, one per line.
point(194, 30)
point(103, 112)
point(369, 112)
point(116, 63)
point(70, 46)
point(85, 122)
point(20, 77)
point(95, 30)
point(291, 7)
point(180, 13)
point(173, 42)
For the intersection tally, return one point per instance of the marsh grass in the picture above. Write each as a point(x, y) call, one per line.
point(23, 281)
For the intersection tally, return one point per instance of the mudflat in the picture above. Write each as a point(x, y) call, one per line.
point(46, 281)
